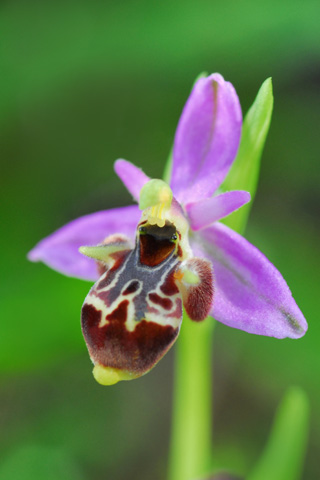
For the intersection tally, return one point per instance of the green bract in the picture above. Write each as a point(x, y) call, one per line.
point(284, 453)
point(244, 173)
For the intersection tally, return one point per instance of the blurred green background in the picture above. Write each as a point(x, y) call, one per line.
point(83, 83)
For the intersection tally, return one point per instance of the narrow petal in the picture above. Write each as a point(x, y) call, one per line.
point(206, 140)
point(203, 213)
point(60, 250)
point(132, 177)
point(250, 293)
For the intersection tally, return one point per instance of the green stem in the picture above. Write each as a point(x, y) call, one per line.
point(192, 410)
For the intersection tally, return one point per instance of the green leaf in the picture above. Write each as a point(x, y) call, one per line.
point(244, 173)
point(284, 453)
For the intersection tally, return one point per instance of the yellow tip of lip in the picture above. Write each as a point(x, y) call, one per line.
point(111, 376)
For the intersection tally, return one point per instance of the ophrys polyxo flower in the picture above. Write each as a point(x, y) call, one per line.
point(132, 314)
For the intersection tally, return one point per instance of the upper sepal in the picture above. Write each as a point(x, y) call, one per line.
point(206, 140)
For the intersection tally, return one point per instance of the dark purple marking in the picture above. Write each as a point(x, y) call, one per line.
point(165, 303)
point(120, 313)
point(132, 287)
point(153, 250)
point(102, 268)
point(177, 313)
point(119, 258)
point(169, 286)
point(114, 346)
point(90, 320)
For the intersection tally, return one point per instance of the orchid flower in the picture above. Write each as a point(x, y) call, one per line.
point(149, 259)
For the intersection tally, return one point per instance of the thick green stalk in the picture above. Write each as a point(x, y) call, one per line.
point(192, 410)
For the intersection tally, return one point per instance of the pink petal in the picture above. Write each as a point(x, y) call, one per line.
point(132, 177)
point(206, 140)
point(250, 292)
point(203, 213)
point(60, 250)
